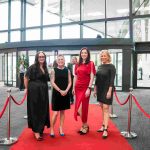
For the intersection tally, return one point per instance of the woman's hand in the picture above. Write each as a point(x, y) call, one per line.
point(63, 92)
point(88, 92)
point(25, 91)
point(108, 96)
point(73, 92)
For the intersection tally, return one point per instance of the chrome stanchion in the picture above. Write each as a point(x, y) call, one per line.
point(128, 133)
point(9, 140)
point(112, 115)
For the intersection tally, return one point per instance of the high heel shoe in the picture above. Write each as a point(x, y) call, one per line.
point(38, 138)
point(80, 130)
point(105, 134)
point(61, 133)
point(101, 129)
point(41, 134)
point(52, 135)
point(85, 130)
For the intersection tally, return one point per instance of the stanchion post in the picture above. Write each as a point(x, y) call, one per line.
point(112, 115)
point(9, 140)
point(128, 133)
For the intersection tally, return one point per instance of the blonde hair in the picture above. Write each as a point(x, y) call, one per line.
point(107, 53)
point(60, 55)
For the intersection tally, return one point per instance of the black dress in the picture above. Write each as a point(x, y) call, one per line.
point(61, 80)
point(104, 79)
point(37, 99)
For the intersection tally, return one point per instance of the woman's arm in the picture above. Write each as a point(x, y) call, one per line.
point(52, 76)
point(91, 79)
point(69, 81)
point(74, 82)
point(88, 91)
point(112, 78)
point(26, 80)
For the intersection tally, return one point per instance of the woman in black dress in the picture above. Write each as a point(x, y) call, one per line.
point(104, 86)
point(37, 95)
point(61, 83)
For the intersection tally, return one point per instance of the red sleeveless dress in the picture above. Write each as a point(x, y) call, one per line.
point(82, 82)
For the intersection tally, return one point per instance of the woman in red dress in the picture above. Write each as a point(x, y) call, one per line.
point(83, 79)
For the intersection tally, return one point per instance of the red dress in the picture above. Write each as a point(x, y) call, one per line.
point(82, 82)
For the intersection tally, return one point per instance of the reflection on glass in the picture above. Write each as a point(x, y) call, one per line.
point(15, 36)
point(33, 34)
point(117, 9)
point(143, 73)
point(51, 33)
point(93, 30)
point(141, 30)
point(33, 13)
point(4, 15)
point(51, 12)
point(140, 7)
point(118, 29)
point(15, 14)
point(93, 9)
point(71, 31)
point(3, 37)
point(70, 10)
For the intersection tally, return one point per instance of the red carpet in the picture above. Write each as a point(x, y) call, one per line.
point(72, 140)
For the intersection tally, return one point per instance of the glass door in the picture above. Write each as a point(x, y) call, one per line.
point(8, 74)
point(143, 73)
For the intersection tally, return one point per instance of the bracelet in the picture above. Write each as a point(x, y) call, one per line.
point(89, 87)
point(59, 90)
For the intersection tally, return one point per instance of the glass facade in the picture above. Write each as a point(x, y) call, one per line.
point(141, 30)
point(143, 73)
point(30, 18)
point(118, 29)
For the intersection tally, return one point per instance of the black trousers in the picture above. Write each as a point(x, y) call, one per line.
point(21, 81)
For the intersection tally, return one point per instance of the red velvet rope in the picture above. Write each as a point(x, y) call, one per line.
point(4, 108)
point(21, 100)
point(142, 110)
point(119, 101)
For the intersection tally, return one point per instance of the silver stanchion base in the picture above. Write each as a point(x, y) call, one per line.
point(5, 141)
point(25, 117)
point(129, 135)
point(113, 116)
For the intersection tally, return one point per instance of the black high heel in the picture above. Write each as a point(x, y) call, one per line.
point(39, 138)
point(85, 130)
point(80, 130)
point(101, 129)
point(104, 136)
